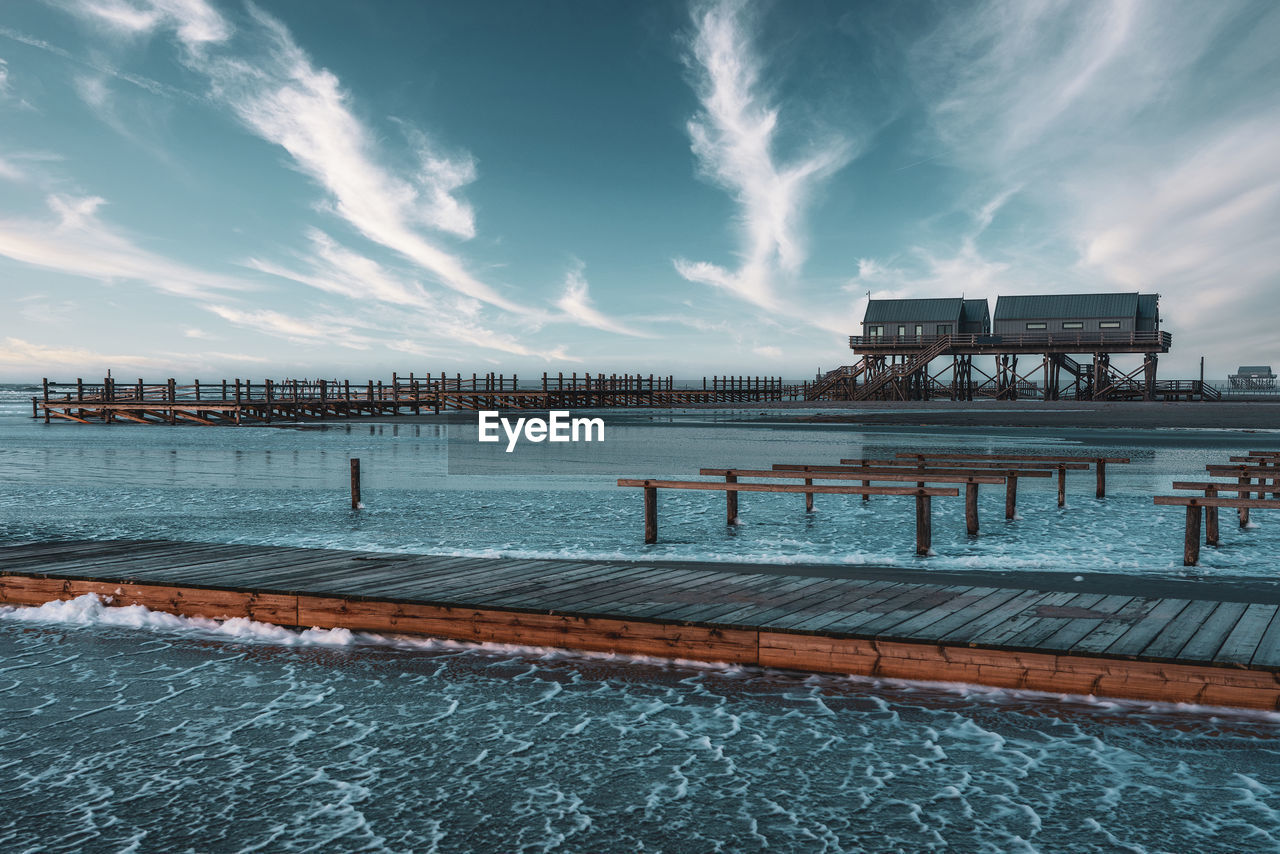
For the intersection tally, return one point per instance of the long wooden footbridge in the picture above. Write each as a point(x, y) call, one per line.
point(1115, 636)
point(246, 401)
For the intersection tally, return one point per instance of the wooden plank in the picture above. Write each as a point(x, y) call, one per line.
point(783, 591)
point(825, 489)
point(1175, 634)
point(1210, 501)
point(1110, 630)
point(1268, 652)
point(1243, 642)
point(1080, 626)
point(979, 623)
point(1205, 642)
point(849, 474)
point(1021, 470)
point(1141, 633)
point(886, 624)
point(1052, 458)
point(847, 600)
point(1000, 633)
point(1052, 619)
point(855, 623)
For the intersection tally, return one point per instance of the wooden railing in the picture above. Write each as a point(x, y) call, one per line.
point(1086, 341)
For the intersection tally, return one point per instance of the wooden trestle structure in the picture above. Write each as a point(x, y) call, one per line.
point(924, 367)
point(264, 401)
point(934, 475)
point(1255, 475)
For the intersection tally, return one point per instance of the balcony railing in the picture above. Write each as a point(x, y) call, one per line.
point(1085, 341)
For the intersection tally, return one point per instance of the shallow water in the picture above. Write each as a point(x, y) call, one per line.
point(124, 728)
point(286, 486)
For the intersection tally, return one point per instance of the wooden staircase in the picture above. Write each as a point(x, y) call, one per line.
point(839, 384)
point(916, 362)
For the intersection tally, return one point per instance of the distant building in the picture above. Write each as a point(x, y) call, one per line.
point(918, 318)
point(1253, 377)
point(1057, 314)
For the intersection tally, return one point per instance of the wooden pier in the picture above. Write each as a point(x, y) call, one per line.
point(1256, 475)
point(238, 401)
point(1113, 636)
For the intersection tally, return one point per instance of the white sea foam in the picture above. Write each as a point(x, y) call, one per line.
point(91, 610)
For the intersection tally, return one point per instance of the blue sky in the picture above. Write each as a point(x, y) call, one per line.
point(200, 188)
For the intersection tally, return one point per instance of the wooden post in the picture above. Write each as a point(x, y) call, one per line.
point(1211, 519)
point(46, 400)
point(971, 508)
point(1244, 511)
point(1062, 486)
point(650, 514)
point(808, 496)
point(1101, 466)
point(924, 524)
point(731, 499)
point(355, 483)
point(1191, 545)
point(1011, 497)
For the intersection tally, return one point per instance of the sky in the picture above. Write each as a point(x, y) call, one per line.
point(218, 188)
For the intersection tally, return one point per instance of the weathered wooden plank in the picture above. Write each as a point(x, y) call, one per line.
point(981, 622)
point(1051, 619)
point(1175, 634)
point(850, 600)
point(1204, 644)
point(1000, 633)
point(1242, 644)
point(1111, 629)
point(757, 602)
point(1140, 633)
point(1080, 626)
point(1268, 652)
point(885, 624)
point(948, 622)
point(853, 623)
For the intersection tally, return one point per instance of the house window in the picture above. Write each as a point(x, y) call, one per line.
point(1035, 326)
point(902, 331)
point(944, 328)
point(919, 330)
point(1072, 324)
point(1109, 324)
point(875, 331)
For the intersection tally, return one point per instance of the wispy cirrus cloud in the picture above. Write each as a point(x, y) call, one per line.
point(734, 138)
point(576, 304)
point(270, 84)
point(76, 240)
point(1141, 134)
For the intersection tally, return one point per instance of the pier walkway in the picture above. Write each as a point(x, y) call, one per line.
point(1115, 636)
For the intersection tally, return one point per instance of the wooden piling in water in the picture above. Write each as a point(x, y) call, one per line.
point(971, 508)
point(651, 514)
point(355, 483)
point(924, 523)
point(1011, 497)
point(731, 500)
point(1191, 543)
point(1211, 518)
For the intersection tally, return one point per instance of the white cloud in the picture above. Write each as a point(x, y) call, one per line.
point(197, 333)
point(299, 330)
point(195, 21)
point(768, 351)
point(734, 138)
point(4, 79)
point(77, 241)
point(575, 302)
point(1140, 137)
point(17, 354)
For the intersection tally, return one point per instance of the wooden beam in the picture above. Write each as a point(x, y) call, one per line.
point(824, 489)
point(650, 514)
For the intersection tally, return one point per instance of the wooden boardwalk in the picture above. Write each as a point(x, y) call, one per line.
point(1137, 638)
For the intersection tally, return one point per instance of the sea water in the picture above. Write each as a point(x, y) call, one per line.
point(125, 729)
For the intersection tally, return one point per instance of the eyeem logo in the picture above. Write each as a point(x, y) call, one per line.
point(558, 428)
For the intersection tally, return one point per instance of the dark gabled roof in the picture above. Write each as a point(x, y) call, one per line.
point(975, 311)
point(921, 310)
point(1066, 306)
point(1148, 306)
point(1255, 369)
